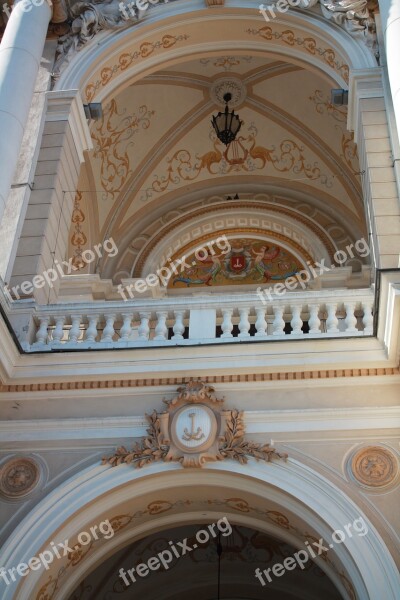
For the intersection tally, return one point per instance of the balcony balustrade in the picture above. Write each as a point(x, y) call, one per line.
point(197, 319)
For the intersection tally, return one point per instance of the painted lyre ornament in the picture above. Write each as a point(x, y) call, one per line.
point(194, 429)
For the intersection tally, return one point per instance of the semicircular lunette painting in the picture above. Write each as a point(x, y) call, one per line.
point(248, 261)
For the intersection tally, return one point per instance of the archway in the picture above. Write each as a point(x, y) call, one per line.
point(120, 66)
point(279, 499)
point(218, 560)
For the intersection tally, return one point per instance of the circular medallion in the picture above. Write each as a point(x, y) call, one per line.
point(193, 428)
point(228, 85)
point(374, 466)
point(18, 477)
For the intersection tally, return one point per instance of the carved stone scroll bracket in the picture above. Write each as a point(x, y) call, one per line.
point(194, 430)
point(87, 19)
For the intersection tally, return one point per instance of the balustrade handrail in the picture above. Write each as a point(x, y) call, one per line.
point(196, 300)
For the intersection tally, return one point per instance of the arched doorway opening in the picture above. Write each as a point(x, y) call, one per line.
point(218, 560)
point(288, 502)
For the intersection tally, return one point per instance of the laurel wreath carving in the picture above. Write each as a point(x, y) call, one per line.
point(232, 445)
point(148, 450)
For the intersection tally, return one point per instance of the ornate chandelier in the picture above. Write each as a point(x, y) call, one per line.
point(226, 124)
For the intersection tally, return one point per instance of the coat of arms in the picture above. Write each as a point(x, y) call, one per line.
point(237, 263)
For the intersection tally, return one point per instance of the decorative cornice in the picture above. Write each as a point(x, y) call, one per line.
point(63, 432)
point(241, 378)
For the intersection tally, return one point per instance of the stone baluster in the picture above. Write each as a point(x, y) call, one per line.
point(109, 331)
point(314, 320)
point(227, 324)
point(144, 329)
point(75, 330)
point(244, 323)
point(296, 321)
point(332, 320)
point(179, 327)
point(58, 332)
point(261, 323)
point(278, 324)
point(41, 335)
point(126, 328)
point(161, 330)
point(91, 331)
point(368, 320)
point(350, 319)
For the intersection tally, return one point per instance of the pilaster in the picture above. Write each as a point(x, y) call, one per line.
point(368, 119)
point(44, 235)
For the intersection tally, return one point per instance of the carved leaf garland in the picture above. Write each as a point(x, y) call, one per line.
point(149, 450)
point(234, 446)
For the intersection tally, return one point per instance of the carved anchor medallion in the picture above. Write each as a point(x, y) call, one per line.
point(193, 435)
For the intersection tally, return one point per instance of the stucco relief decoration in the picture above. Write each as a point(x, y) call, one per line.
point(112, 138)
point(88, 19)
point(18, 477)
point(374, 466)
point(242, 155)
point(353, 15)
point(228, 85)
point(195, 429)
point(349, 148)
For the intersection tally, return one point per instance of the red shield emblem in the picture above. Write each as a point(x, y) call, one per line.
point(238, 262)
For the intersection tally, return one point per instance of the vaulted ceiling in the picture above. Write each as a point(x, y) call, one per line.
point(156, 159)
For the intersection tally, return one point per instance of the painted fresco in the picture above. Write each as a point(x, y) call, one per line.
point(249, 261)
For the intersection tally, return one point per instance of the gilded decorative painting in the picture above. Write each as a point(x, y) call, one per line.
point(249, 261)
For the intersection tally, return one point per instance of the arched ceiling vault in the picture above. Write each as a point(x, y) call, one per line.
point(155, 151)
